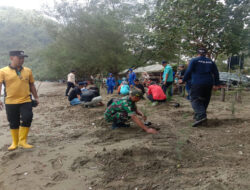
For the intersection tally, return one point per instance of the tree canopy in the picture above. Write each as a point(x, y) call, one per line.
point(103, 36)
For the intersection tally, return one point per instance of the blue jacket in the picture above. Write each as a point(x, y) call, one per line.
point(124, 89)
point(111, 81)
point(202, 70)
point(131, 78)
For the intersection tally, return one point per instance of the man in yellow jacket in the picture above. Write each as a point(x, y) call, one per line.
point(19, 84)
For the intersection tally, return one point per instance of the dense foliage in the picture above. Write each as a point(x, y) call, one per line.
point(105, 36)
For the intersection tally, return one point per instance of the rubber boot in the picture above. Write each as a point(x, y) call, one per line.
point(14, 134)
point(23, 134)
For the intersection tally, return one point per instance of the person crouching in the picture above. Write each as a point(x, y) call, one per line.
point(75, 94)
point(121, 110)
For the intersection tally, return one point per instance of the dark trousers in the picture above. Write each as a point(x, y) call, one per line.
point(167, 89)
point(110, 89)
point(166, 86)
point(200, 98)
point(150, 97)
point(19, 112)
point(69, 85)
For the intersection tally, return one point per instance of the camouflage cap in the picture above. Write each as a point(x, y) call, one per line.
point(136, 92)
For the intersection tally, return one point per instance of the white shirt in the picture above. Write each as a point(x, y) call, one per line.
point(71, 78)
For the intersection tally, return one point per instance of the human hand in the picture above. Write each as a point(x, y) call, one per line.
point(144, 117)
point(151, 130)
point(37, 100)
point(180, 81)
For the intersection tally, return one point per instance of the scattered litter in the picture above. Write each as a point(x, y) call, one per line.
point(240, 152)
point(26, 173)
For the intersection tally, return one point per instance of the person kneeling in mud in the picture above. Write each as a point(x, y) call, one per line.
point(121, 110)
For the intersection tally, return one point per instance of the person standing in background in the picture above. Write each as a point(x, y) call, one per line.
point(71, 81)
point(111, 83)
point(204, 75)
point(131, 77)
point(168, 80)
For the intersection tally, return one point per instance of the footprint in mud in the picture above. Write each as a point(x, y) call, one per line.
point(49, 184)
point(79, 162)
point(42, 152)
point(59, 176)
point(75, 135)
point(38, 168)
point(57, 163)
point(225, 122)
point(11, 156)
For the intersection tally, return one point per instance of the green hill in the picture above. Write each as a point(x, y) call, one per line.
point(22, 30)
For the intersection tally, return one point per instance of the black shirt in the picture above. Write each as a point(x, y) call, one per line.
point(73, 94)
point(140, 86)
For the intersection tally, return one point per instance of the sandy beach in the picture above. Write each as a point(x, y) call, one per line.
point(75, 149)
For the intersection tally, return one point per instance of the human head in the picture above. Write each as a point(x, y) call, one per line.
point(17, 58)
point(135, 95)
point(164, 63)
point(85, 83)
point(181, 67)
point(73, 71)
point(202, 51)
point(130, 70)
point(136, 81)
point(110, 74)
point(81, 84)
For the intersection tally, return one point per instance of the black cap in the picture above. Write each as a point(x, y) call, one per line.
point(202, 51)
point(81, 83)
point(17, 53)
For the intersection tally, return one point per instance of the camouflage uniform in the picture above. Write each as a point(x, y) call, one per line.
point(120, 111)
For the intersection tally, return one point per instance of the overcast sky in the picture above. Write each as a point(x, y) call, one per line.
point(25, 4)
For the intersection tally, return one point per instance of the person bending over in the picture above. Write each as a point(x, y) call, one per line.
point(121, 110)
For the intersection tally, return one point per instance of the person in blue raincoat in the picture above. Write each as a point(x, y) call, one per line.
point(131, 77)
point(110, 83)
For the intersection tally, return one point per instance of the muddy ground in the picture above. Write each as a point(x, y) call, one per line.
point(75, 149)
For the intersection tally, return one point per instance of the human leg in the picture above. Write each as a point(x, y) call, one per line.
point(109, 89)
point(69, 85)
point(119, 120)
point(75, 101)
point(164, 88)
point(13, 116)
point(207, 95)
point(169, 93)
point(26, 118)
point(197, 102)
point(94, 101)
point(150, 97)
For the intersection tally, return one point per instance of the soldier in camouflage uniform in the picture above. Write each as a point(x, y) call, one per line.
point(125, 108)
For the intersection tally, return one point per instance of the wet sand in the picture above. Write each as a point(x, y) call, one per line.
point(75, 149)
